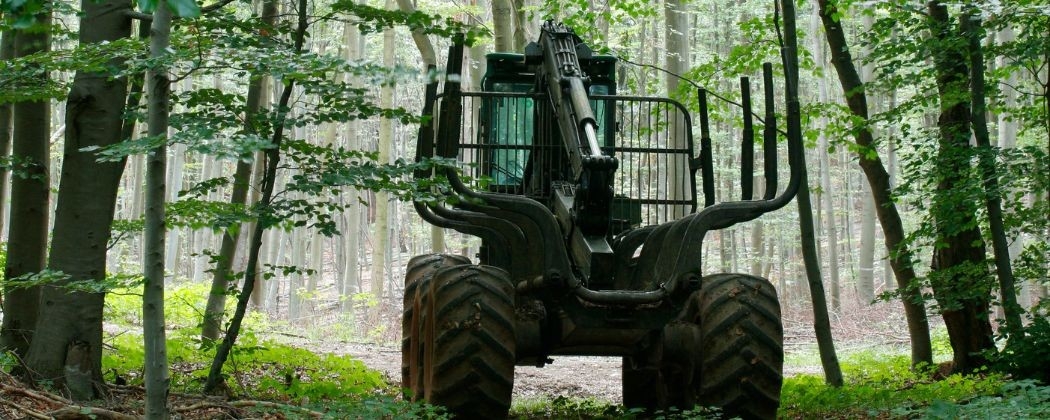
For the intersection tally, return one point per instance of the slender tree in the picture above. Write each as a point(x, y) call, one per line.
point(154, 336)
point(822, 322)
point(7, 52)
point(223, 274)
point(974, 33)
point(881, 190)
point(269, 180)
point(30, 192)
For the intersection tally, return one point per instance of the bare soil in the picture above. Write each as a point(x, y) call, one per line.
point(880, 324)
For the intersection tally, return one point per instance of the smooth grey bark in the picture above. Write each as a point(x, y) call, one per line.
point(7, 52)
point(30, 192)
point(222, 276)
point(381, 244)
point(67, 348)
point(174, 174)
point(351, 277)
point(866, 259)
point(155, 368)
point(677, 62)
point(503, 25)
point(881, 190)
point(826, 191)
point(866, 252)
point(971, 28)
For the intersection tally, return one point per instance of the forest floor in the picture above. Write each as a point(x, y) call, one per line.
point(880, 326)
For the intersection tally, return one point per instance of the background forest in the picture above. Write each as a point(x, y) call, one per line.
point(184, 172)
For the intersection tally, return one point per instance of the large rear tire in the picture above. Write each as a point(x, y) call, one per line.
point(742, 337)
point(469, 342)
point(421, 269)
point(725, 351)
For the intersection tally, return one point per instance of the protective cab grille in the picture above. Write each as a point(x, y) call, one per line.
point(651, 138)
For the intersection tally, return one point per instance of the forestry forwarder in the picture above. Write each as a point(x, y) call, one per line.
point(591, 241)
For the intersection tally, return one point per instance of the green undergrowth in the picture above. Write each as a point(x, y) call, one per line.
point(259, 368)
point(879, 386)
point(562, 407)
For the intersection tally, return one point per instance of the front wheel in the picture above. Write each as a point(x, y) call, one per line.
point(742, 336)
point(421, 269)
point(469, 342)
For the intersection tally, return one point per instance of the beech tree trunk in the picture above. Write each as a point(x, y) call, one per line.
point(959, 280)
point(822, 322)
point(222, 276)
point(503, 25)
point(676, 42)
point(351, 277)
point(155, 367)
point(381, 244)
point(7, 52)
point(971, 28)
point(879, 180)
point(269, 180)
point(30, 191)
point(84, 213)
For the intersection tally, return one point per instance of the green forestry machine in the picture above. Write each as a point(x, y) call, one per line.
point(591, 240)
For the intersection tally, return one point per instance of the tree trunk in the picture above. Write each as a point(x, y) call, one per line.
point(866, 256)
point(29, 203)
point(223, 273)
point(7, 52)
point(821, 320)
point(431, 59)
point(879, 180)
point(822, 323)
point(826, 195)
point(503, 25)
point(971, 27)
point(381, 245)
point(155, 367)
point(676, 42)
point(173, 253)
point(959, 278)
point(866, 259)
point(269, 179)
point(84, 214)
point(351, 277)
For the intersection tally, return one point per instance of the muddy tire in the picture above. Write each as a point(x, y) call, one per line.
point(742, 339)
point(726, 350)
point(469, 345)
point(420, 269)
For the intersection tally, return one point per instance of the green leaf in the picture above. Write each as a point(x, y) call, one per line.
point(184, 8)
point(147, 6)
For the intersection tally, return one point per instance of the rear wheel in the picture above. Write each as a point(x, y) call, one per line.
point(742, 339)
point(726, 351)
point(420, 269)
point(469, 344)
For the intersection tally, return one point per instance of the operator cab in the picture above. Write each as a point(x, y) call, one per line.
point(510, 120)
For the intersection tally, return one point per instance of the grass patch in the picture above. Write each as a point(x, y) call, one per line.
point(562, 407)
point(258, 369)
point(879, 386)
